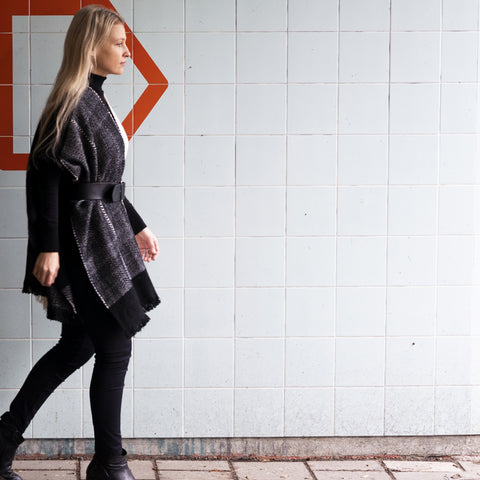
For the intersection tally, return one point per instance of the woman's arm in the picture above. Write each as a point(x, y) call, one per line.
point(136, 221)
point(47, 189)
point(146, 240)
point(46, 268)
point(148, 244)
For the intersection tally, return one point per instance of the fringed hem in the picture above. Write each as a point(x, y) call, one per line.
point(58, 315)
point(152, 305)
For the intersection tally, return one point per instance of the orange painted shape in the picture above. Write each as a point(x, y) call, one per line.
point(9, 8)
point(141, 109)
point(54, 7)
point(12, 161)
point(142, 60)
point(6, 105)
point(149, 68)
point(6, 73)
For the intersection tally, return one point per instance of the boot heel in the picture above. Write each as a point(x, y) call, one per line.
point(109, 468)
point(9, 442)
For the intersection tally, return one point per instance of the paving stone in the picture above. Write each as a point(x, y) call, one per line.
point(345, 475)
point(209, 465)
point(44, 464)
point(141, 469)
point(346, 465)
point(409, 466)
point(473, 468)
point(271, 471)
point(192, 475)
point(467, 458)
point(48, 475)
point(432, 476)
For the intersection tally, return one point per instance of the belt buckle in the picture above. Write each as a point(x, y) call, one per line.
point(118, 192)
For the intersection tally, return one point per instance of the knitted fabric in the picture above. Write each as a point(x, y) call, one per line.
point(93, 151)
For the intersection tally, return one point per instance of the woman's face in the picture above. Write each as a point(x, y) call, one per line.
point(112, 55)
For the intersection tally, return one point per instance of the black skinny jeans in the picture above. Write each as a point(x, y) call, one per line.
point(100, 335)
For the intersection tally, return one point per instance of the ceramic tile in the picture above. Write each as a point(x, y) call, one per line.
point(312, 57)
point(261, 15)
point(359, 411)
point(259, 312)
point(258, 412)
point(411, 15)
point(209, 412)
point(210, 15)
point(209, 312)
point(363, 109)
point(415, 57)
point(310, 15)
point(309, 362)
point(209, 160)
point(312, 109)
point(209, 262)
point(409, 410)
point(364, 57)
point(370, 15)
point(260, 160)
point(309, 411)
point(209, 109)
point(260, 109)
point(261, 57)
point(259, 362)
point(310, 312)
point(210, 58)
point(208, 362)
point(311, 160)
point(260, 262)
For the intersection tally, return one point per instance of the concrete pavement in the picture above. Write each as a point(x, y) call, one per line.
point(154, 468)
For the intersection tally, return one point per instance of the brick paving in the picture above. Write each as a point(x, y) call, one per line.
point(453, 468)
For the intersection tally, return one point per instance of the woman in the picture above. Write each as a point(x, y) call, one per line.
point(87, 244)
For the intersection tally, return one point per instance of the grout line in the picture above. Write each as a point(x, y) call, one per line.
point(285, 241)
point(184, 237)
point(437, 226)
point(235, 189)
point(156, 470)
point(232, 470)
point(385, 352)
point(335, 286)
point(310, 471)
point(387, 470)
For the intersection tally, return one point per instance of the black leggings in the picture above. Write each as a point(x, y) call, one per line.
point(100, 335)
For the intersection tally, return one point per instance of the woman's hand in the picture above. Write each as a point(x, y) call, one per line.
point(148, 244)
point(46, 268)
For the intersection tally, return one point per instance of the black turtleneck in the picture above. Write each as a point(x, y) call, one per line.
point(50, 176)
point(96, 82)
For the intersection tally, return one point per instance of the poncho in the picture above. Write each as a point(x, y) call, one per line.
point(98, 232)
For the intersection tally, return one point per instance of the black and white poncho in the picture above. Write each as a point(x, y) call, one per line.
point(99, 232)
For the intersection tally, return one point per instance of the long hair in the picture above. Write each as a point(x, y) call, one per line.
point(90, 28)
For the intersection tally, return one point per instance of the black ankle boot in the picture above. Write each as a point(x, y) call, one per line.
point(10, 439)
point(109, 468)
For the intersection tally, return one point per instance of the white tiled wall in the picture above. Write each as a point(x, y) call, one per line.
point(312, 173)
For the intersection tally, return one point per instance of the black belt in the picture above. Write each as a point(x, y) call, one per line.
point(113, 192)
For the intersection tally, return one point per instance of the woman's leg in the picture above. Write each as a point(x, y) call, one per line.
point(72, 351)
point(112, 355)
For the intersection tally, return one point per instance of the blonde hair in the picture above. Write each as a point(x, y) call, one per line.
point(91, 26)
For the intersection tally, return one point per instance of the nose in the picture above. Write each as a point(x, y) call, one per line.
point(126, 53)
